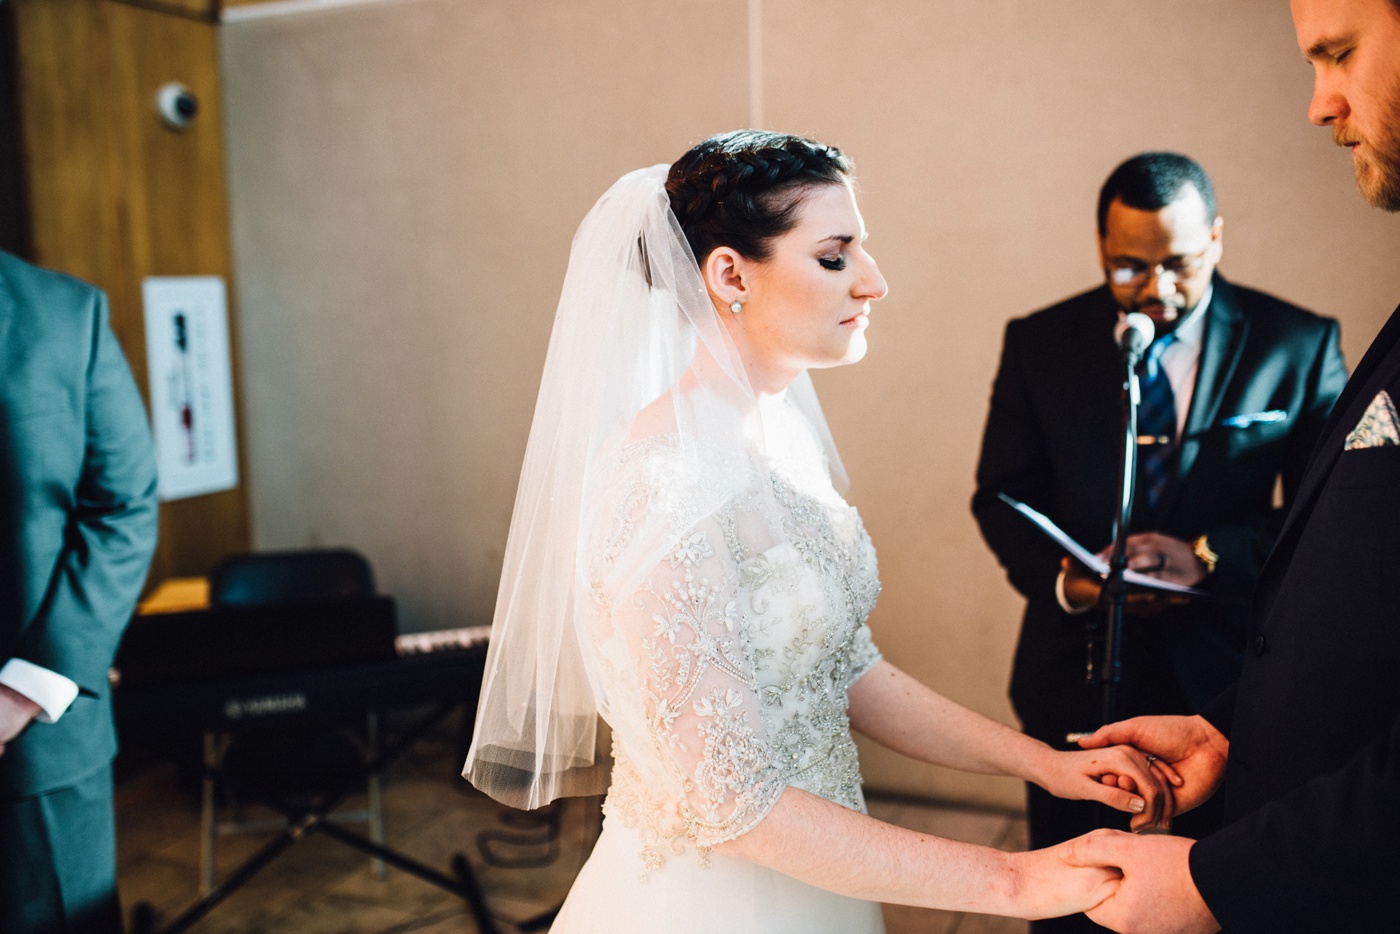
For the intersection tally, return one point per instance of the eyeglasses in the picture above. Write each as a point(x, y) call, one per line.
point(1130, 273)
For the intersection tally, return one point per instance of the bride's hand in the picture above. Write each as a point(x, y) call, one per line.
point(1189, 750)
point(1119, 776)
point(1048, 884)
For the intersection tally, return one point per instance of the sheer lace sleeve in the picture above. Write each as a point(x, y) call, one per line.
point(686, 634)
point(678, 674)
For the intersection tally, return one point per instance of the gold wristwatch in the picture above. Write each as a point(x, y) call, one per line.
point(1201, 548)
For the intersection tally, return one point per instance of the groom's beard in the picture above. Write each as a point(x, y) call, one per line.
point(1379, 178)
point(1378, 173)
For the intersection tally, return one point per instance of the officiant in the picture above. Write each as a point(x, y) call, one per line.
point(1235, 388)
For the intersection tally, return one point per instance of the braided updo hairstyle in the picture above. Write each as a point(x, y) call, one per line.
point(742, 189)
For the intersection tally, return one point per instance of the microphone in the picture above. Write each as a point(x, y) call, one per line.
point(1134, 333)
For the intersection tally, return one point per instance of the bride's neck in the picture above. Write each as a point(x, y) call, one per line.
point(765, 382)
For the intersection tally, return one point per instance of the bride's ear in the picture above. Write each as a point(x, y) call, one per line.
point(725, 275)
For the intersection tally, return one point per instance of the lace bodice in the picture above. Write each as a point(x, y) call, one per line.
point(729, 620)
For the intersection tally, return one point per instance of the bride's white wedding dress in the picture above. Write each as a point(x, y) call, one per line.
point(728, 620)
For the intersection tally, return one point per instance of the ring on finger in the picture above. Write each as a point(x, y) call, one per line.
point(1150, 759)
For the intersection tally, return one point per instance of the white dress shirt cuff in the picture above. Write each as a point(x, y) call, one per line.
point(49, 689)
point(1064, 601)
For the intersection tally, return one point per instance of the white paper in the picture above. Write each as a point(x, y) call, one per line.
point(187, 362)
point(1086, 557)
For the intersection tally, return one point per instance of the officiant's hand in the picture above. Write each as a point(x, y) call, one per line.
point(1082, 588)
point(1157, 894)
point(1190, 746)
point(1163, 557)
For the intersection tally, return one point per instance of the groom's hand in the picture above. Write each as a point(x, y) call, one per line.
point(1157, 894)
point(1192, 747)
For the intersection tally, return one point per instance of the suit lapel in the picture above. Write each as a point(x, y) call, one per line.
point(1223, 344)
point(1361, 379)
point(1367, 379)
point(1104, 366)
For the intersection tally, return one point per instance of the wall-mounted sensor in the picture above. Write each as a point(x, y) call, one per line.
point(176, 105)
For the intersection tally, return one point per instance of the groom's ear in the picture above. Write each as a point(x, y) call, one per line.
point(725, 274)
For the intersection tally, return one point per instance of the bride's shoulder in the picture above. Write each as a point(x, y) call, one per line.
point(663, 463)
point(655, 422)
point(649, 493)
point(660, 475)
point(655, 447)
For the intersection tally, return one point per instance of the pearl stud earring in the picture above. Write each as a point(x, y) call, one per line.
point(736, 306)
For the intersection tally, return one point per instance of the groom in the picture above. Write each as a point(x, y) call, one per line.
point(1308, 741)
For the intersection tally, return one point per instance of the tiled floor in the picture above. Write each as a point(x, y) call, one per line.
point(320, 886)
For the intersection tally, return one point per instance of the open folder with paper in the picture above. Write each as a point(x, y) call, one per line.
point(1086, 557)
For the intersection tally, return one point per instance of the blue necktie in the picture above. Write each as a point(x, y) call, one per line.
point(1157, 422)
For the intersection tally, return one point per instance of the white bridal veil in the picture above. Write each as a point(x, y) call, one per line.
point(637, 341)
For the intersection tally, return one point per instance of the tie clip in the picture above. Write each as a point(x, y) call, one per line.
point(1154, 439)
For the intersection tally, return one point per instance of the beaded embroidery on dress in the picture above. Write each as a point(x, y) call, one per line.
point(734, 651)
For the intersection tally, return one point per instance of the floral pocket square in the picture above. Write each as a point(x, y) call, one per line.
point(1379, 427)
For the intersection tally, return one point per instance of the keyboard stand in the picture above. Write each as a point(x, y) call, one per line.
point(303, 821)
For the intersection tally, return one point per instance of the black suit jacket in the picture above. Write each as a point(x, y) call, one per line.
point(1312, 789)
point(1052, 441)
point(77, 512)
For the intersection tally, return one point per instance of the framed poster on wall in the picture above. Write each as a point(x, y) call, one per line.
point(191, 384)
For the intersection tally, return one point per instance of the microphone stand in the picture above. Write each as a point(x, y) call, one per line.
point(1114, 594)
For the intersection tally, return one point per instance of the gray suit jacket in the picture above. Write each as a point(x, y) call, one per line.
point(77, 512)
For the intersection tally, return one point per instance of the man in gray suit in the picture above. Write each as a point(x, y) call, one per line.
point(77, 530)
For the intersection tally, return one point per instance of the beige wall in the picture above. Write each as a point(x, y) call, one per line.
point(406, 177)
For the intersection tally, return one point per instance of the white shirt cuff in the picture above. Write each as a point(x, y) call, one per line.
point(1064, 601)
point(49, 689)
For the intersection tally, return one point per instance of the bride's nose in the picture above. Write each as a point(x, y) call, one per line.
point(871, 285)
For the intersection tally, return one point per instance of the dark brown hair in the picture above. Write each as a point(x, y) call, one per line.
point(742, 189)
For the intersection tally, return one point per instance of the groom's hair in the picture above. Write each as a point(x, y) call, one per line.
point(1152, 180)
point(742, 189)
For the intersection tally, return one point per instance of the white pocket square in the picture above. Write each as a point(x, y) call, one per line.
point(1379, 427)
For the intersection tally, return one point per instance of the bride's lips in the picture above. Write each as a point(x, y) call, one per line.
point(858, 319)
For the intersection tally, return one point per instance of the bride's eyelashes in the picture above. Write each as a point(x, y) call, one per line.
point(837, 264)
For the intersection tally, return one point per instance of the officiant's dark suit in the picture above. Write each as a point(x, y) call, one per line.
point(1266, 377)
point(1052, 440)
point(77, 530)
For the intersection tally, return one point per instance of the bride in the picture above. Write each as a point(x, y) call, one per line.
point(681, 562)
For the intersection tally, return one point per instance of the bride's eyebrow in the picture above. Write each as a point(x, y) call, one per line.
point(846, 238)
